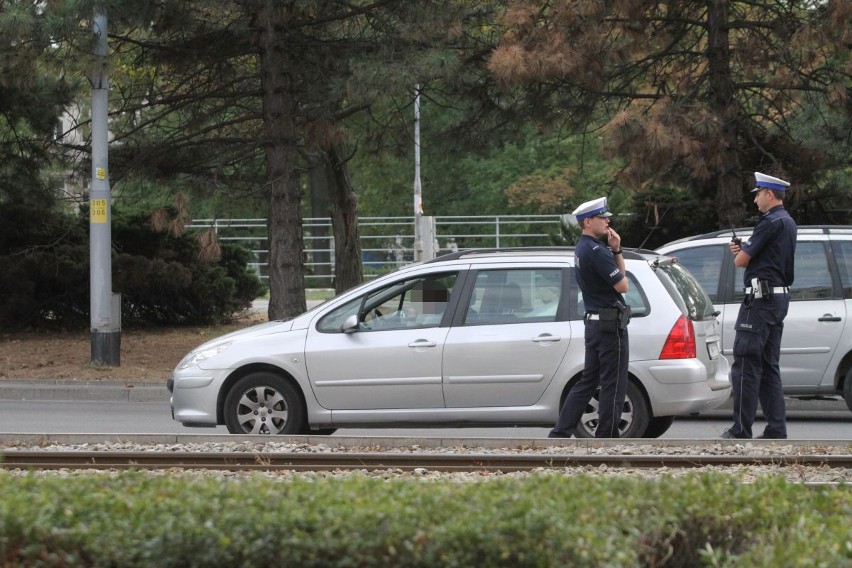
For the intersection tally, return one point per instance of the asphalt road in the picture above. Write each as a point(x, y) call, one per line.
point(813, 420)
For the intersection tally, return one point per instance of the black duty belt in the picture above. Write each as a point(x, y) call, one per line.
point(775, 290)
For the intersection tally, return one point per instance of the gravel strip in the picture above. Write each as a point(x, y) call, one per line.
point(574, 447)
point(793, 473)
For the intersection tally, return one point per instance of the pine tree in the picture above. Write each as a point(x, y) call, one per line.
point(34, 90)
point(692, 94)
point(240, 94)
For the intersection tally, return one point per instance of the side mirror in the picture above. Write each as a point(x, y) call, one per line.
point(350, 324)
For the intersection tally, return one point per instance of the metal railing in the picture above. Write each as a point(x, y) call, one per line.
point(387, 243)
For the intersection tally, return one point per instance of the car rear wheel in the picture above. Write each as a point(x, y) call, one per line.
point(634, 415)
point(847, 389)
point(264, 403)
point(658, 426)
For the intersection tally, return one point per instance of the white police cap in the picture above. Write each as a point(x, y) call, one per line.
point(593, 208)
point(768, 182)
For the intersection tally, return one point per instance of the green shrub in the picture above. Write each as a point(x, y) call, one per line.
point(44, 273)
point(44, 266)
point(137, 519)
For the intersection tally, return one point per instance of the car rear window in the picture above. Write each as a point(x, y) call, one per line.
point(681, 283)
point(705, 263)
point(519, 295)
point(843, 254)
point(635, 298)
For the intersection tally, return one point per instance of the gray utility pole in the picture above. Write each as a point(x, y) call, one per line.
point(104, 305)
point(418, 192)
point(425, 245)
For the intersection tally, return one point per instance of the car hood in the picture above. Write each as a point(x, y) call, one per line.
point(259, 330)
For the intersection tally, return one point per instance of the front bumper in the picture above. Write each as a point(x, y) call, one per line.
point(194, 398)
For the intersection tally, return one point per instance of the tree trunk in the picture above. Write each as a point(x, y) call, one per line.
point(723, 103)
point(348, 270)
point(284, 220)
point(320, 207)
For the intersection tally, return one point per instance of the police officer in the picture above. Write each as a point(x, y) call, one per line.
point(768, 260)
point(602, 279)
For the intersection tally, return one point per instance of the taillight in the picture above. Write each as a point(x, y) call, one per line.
point(680, 344)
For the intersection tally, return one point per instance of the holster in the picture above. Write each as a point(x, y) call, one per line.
point(623, 315)
point(760, 288)
point(613, 319)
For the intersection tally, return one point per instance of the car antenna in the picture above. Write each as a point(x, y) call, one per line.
point(655, 227)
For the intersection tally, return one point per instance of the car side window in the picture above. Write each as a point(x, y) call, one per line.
point(412, 303)
point(843, 254)
point(514, 296)
point(812, 280)
point(705, 263)
point(812, 277)
point(635, 298)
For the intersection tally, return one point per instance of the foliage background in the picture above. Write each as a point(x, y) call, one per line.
point(281, 110)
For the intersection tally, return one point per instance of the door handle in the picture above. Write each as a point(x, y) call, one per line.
point(546, 338)
point(829, 317)
point(422, 343)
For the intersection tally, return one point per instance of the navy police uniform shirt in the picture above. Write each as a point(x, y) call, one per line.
point(771, 247)
point(597, 273)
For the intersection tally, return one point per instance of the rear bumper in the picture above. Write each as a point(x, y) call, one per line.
point(682, 386)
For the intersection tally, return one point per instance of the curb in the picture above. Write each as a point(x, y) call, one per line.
point(97, 391)
point(122, 391)
point(94, 391)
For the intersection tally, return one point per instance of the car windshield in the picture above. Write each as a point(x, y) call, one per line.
point(698, 303)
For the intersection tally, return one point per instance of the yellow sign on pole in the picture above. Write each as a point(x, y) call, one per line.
point(100, 173)
point(98, 211)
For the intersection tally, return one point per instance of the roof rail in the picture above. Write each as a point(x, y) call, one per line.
point(466, 252)
point(825, 229)
point(631, 252)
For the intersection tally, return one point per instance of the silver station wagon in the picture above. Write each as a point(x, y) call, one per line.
point(473, 338)
point(816, 348)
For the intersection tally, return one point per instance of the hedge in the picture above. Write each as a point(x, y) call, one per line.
point(140, 519)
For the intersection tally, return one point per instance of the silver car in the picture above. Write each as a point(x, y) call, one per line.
point(473, 338)
point(816, 348)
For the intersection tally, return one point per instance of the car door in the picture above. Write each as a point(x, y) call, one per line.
point(393, 359)
point(814, 320)
point(508, 338)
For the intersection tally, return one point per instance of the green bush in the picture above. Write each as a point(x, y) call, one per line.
point(138, 519)
point(44, 273)
point(44, 264)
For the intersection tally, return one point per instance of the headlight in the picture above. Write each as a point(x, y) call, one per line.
point(196, 357)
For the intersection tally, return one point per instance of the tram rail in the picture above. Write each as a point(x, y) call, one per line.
point(372, 461)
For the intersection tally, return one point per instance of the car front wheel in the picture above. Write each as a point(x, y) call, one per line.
point(264, 403)
point(634, 415)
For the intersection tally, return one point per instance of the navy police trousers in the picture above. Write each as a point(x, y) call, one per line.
point(606, 366)
point(756, 374)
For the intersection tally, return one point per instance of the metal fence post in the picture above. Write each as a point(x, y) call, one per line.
point(427, 232)
point(497, 230)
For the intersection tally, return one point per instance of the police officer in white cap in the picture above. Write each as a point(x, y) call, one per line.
point(602, 279)
point(767, 257)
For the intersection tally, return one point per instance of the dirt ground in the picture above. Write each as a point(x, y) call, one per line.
point(146, 356)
